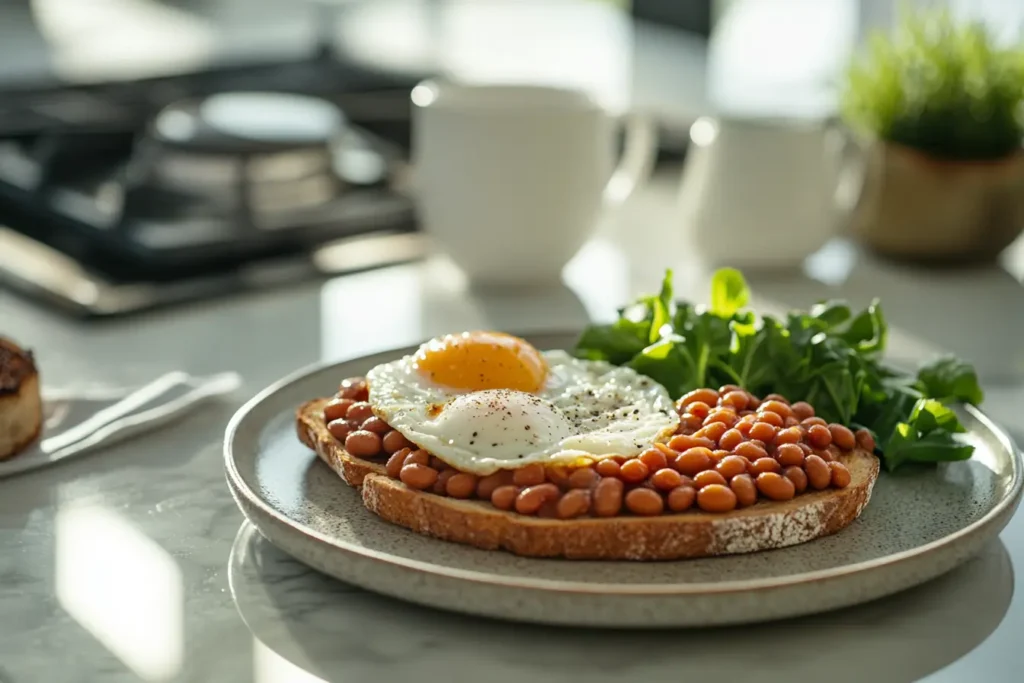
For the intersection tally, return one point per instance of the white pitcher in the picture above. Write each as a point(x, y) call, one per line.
point(765, 193)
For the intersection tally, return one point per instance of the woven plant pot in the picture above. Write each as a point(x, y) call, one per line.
point(918, 208)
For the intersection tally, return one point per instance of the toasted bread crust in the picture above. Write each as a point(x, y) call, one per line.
point(763, 526)
point(21, 406)
point(16, 367)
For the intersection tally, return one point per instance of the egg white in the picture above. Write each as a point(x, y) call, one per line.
point(585, 409)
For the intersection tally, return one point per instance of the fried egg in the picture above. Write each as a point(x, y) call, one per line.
point(484, 401)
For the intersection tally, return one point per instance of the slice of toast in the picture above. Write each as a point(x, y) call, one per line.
point(312, 429)
point(21, 406)
point(763, 526)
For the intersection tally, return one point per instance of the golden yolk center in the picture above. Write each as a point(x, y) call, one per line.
point(482, 360)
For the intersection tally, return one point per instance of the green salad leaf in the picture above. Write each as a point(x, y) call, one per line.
point(829, 356)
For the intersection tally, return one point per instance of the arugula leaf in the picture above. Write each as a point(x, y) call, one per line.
point(950, 379)
point(667, 362)
point(615, 343)
point(868, 332)
point(729, 292)
point(831, 312)
point(927, 436)
point(661, 308)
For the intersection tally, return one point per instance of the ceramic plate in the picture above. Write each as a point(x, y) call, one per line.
point(916, 527)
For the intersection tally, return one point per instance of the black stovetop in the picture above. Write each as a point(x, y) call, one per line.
point(196, 175)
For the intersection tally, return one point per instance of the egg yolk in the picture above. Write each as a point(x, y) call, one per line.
point(482, 360)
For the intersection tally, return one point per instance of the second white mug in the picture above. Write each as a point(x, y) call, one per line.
point(510, 179)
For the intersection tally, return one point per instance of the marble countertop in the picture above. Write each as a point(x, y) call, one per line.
point(134, 563)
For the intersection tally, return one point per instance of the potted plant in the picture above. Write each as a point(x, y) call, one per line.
point(937, 107)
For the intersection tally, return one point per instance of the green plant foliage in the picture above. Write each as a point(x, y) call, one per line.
point(943, 88)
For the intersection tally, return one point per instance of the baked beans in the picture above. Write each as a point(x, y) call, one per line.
point(726, 416)
point(486, 487)
point(765, 464)
point(633, 471)
point(797, 476)
point(362, 444)
point(440, 486)
point(775, 486)
point(819, 436)
point(353, 387)
point(789, 435)
point(840, 475)
point(645, 502)
point(654, 459)
point(394, 441)
point(789, 454)
point(607, 498)
point(707, 478)
point(558, 475)
point(359, 412)
point(395, 462)
point(573, 504)
point(418, 477)
point(712, 432)
point(681, 498)
point(607, 467)
point(736, 399)
point(698, 409)
point(666, 479)
point(461, 485)
point(743, 427)
point(340, 429)
point(708, 397)
point(732, 465)
point(811, 421)
point(771, 418)
point(530, 499)
point(690, 423)
point(802, 410)
point(417, 457)
point(694, 460)
point(337, 409)
point(529, 475)
point(376, 425)
point(504, 497)
point(437, 463)
point(731, 439)
point(865, 440)
point(683, 442)
point(763, 431)
point(584, 478)
point(775, 406)
point(743, 487)
point(716, 498)
point(750, 450)
point(819, 475)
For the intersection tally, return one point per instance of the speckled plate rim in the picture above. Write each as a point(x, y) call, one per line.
point(253, 501)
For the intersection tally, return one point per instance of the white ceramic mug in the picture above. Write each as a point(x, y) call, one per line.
point(510, 179)
point(763, 192)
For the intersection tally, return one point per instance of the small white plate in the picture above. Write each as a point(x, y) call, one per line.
point(916, 527)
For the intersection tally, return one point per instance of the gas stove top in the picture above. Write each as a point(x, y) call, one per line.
point(183, 187)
